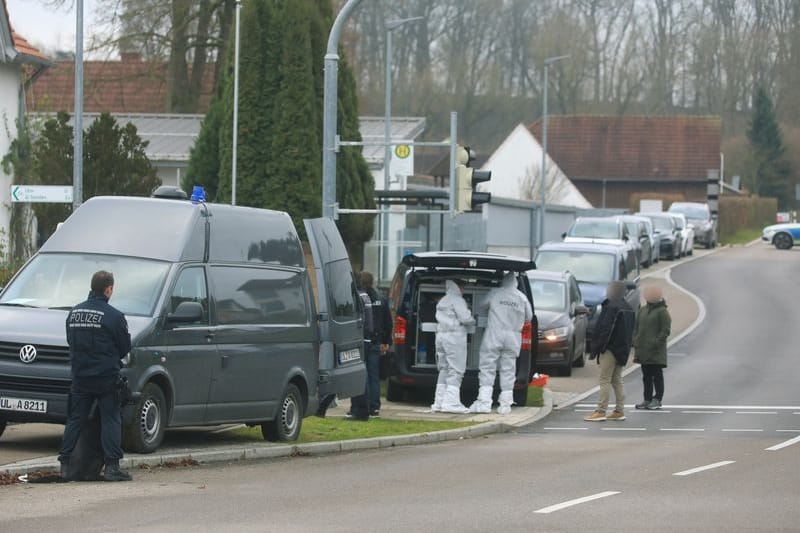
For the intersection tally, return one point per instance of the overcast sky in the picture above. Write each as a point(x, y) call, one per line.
point(48, 28)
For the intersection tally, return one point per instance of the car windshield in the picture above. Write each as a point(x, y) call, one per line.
point(60, 281)
point(589, 267)
point(549, 295)
point(662, 224)
point(695, 212)
point(633, 228)
point(595, 229)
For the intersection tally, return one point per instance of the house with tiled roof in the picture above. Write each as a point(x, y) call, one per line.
point(20, 65)
point(129, 85)
point(609, 159)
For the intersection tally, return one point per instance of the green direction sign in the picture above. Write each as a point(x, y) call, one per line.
point(50, 194)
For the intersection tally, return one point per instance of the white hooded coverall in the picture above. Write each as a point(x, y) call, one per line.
point(452, 318)
point(508, 309)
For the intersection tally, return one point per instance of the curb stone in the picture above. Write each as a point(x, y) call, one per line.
point(251, 452)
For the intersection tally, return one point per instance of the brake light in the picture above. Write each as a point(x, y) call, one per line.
point(399, 333)
point(527, 336)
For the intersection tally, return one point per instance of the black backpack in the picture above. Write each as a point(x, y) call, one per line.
point(369, 318)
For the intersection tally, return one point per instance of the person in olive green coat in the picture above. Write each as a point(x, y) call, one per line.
point(650, 334)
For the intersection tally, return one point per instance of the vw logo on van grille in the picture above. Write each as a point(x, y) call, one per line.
point(27, 353)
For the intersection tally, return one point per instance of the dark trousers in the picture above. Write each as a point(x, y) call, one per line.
point(653, 378)
point(374, 377)
point(363, 404)
point(81, 397)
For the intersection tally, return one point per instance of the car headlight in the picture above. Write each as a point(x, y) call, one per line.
point(555, 334)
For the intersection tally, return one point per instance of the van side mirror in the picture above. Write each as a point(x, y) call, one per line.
point(186, 313)
point(581, 310)
point(564, 235)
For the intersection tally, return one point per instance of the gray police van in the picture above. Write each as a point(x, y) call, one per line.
point(225, 322)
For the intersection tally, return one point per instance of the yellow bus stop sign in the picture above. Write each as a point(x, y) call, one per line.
point(402, 151)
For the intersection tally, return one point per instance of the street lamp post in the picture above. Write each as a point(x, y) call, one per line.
point(235, 141)
point(77, 122)
point(390, 26)
point(543, 207)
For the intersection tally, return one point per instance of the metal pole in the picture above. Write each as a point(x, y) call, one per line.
point(387, 150)
point(330, 108)
point(453, 146)
point(543, 206)
point(77, 123)
point(543, 180)
point(234, 158)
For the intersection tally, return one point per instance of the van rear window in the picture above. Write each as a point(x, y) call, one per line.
point(342, 296)
point(258, 296)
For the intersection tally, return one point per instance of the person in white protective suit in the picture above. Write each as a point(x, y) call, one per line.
point(508, 310)
point(453, 317)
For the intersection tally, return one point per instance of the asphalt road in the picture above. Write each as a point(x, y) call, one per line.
point(738, 372)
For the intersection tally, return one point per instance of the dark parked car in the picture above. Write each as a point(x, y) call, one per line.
point(562, 321)
point(417, 287)
point(700, 218)
point(594, 266)
point(667, 230)
point(640, 236)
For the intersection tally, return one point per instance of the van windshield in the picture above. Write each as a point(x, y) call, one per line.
point(60, 281)
point(589, 267)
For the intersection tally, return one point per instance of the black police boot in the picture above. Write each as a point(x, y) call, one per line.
point(114, 473)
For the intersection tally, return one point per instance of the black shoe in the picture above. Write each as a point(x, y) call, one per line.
point(375, 412)
point(354, 418)
point(642, 405)
point(114, 473)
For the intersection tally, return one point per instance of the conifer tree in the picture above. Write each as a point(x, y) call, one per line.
point(771, 167)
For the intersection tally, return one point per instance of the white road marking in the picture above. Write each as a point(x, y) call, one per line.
point(742, 430)
point(584, 410)
point(567, 429)
point(783, 444)
point(682, 429)
point(624, 429)
point(721, 407)
point(703, 468)
point(577, 501)
point(756, 412)
point(796, 413)
point(650, 411)
point(702, 412)
point(788, 430)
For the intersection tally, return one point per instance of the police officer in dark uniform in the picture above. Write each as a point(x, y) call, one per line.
point(98, 339)
point(380, 340)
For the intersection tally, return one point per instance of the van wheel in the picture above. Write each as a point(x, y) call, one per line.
point(394, 392)
point(521, 397)
point(146, 431)
point(289, 420)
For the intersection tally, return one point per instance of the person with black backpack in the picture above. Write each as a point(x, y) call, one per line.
point(377, 340)
point(612, 338)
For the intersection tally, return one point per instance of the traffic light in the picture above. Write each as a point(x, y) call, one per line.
point(467, 179)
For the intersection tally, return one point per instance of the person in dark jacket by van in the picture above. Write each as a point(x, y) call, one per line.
point(380, 340)
point(377, 340)
point(653, 324)
point(98, 339)
point(611, 346)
